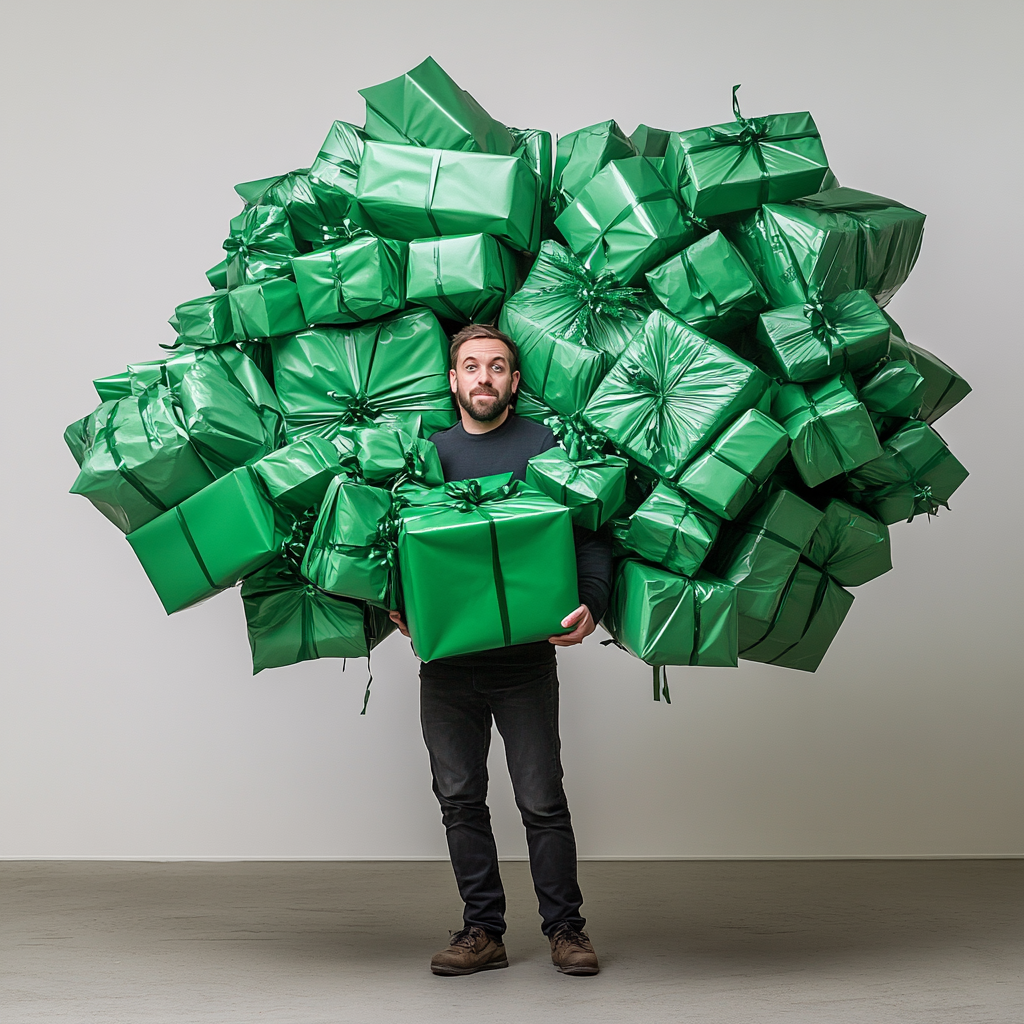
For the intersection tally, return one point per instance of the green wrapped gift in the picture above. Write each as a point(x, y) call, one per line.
point(914, 475)
point(131, 381)
point(626, 221)
point(831, 431)
point(943, 386)
point(672, 530)
point(651, 143)
point(665, 619)
point(81, 435)
point(534, 146)
point(512, 552)
point(737, 166)
point(204, 321)
point(897, 389)
point(210, 541)
point(386, 456)
point(851, 546)
point(710, 286)
point(394, 369)
point(669, 392)
point(425, 107)
point(217, 275)
point(812, 340)
point(292, 192)
point(830, 243)
point(296, 476)
point(114, 386)
point(289, 620)
point(581, 154)
point(727, 474)
point(593, 489)
point(335, 170)
point(407, 192)
point(136, 459)
point(465, 278)
point(360, 280)
point(810, 612)
point(260, 245)
point(265, 309)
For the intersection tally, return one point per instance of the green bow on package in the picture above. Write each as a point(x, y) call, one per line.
point(385, 456)
point(204, 321)
point(593, 489)
point(581, 154)
point(851, 546)
point(266, 309)
point(335, 170)
point(292, 192)
point(260, 245)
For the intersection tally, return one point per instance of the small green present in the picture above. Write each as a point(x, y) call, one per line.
point(943, 386)
point(581, 154)
point(465, 278)
point(265, 309)
point(335, 170)
point(217, 275)
point(385, 456)
point(296, 477)
point(710, 286)
point(897, 390)
point(359, 280)
point(625, 221)
point(534, 146)
point(730, 471)
point(914, 475)
point(260, 245)
point(652, 143)
point(131, 381)
point(292, 192)
point(593, 489)
point(851, 546)
point(812, 340)
point(831, 431)
point(204, 321)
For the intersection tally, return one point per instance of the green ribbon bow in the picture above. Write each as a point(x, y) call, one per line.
point(356, 409)
point(576, 436)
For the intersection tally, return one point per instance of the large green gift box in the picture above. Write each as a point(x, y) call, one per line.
point(593, 489)
point(730, 470)
point(509, 552)
point(205, 321)
point(672, 530)
point(210, 541)
point(665, 619)
point(260, 245)
point(335, 170)
point(465, 278)
point(812, 340)
point(407, 192)
point(360, 280)
point(626, 220)
point(830, 243)
point(710, 286)
point(943, 386)
point(292, 192)
point(265, 309)
point(914, 474)
point(831, 432)
point(289, 620)
point(296, 476)
point(670, 391)
point(581, 154)
point(394, 369)
point(850, 545)
point(136, 459)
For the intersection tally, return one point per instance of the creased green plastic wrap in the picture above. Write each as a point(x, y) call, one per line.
point(293, 193)
point(386, 456)
point(204, 321)
point(592, 488)
point(535, 147)
point(260, 245)
point(131, 381)
point(671, 529)
point(943, 386)
point(896, 390)
point(651, 143)
point(850, 545)
point(296, 477)
point(265, 309)
point(581, 154)
point(217, 275)
point(335, 170)
point(669, 392)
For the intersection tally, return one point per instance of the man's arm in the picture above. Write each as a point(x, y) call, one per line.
point(594, 581)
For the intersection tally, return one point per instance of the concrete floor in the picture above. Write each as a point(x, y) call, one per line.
point(735, 942)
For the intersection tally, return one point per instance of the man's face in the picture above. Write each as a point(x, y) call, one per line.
point(481, 379)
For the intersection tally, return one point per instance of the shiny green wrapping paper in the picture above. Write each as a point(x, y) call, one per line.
point(727, 474)
point(260, 245)
point(390, 370)
point(581, 154)
point(265, 309)
point(669, 392)
point(464, 278)
point(710, 286)
point(360, 280)
point(335, 170)
point(665, 619)
point(897, 389)
point(672, 530)
point(831, 432)
point(113, 386)
point(292, 192)
point(131, 381)
point(943, 386)
point(829, 243)
point(217, 275)
point(592, 489)
point(511, 551)
point(914, 475)
point(535, 147)
point(386, 456)
point(204, 321)
point(851, 546)
point(651, 143)
point(406, 192)
point(296, 477)
point(625, 220)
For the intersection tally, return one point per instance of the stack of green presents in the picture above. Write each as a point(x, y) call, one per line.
point(701, 321)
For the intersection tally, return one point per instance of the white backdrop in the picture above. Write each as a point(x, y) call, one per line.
point(124, 733)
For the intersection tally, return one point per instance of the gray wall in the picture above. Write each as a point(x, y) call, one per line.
point(127, 733)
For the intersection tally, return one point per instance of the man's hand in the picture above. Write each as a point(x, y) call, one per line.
point(396, 618)
point(584, 623)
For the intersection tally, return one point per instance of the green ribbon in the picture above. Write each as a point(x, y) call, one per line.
point(453, 311)
point(576, 436)
point(336, 273)
point(924, 500)
point(635, 204)
point(190, 540)
point(817, 420)
point(821, 318)
point(428, 199)
point(574, 474)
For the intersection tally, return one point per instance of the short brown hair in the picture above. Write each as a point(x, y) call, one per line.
point(472, 331)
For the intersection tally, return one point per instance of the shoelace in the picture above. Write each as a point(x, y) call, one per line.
point(566, 933)
point(464, 937)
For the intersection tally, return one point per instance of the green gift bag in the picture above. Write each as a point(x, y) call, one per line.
point(265, 309)
point(593, 488)
point(260, 245)
point(360, 280)
point(669, 392)
point(897, 390)
point(665, 619)
point(392, 370)
point(672, 530)
point(407, 192)
point(830, 243)
point(914, 475)
point(813, 340)
point(335, 170)
point(730, 471)
point(511, 552)
point(851, 546)
point(204, 321)
point(210, 541)
point(831, 432)
point(292, 192)
point(465, 278)
point(943, 386)
point(811, 610)
point(296, 477)
point(710, 286)
point(136, 459)
point(581, 154)
point(426, 108)
point(625, 221)
point(737, 166)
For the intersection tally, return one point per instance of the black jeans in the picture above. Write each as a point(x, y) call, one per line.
point(456, 709)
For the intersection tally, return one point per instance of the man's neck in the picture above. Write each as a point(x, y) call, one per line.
point(472, 426)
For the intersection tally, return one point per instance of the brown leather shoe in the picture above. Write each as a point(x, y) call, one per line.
point(572, 952)
point(469, 951)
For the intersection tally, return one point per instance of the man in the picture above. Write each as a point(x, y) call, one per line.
point(516, 687)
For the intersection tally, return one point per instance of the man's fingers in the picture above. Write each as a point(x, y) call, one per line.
point(573, 617)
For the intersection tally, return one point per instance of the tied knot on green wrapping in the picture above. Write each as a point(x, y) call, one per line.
point(576, 436)
point(925, 501)
point(644, 382)
point(469, 495)
point(294, 547)
point(822, 318)
point(356, 409)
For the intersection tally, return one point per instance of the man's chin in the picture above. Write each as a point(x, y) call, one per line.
point(486, 409)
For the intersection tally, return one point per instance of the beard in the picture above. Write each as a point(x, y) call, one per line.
point(489, 411)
